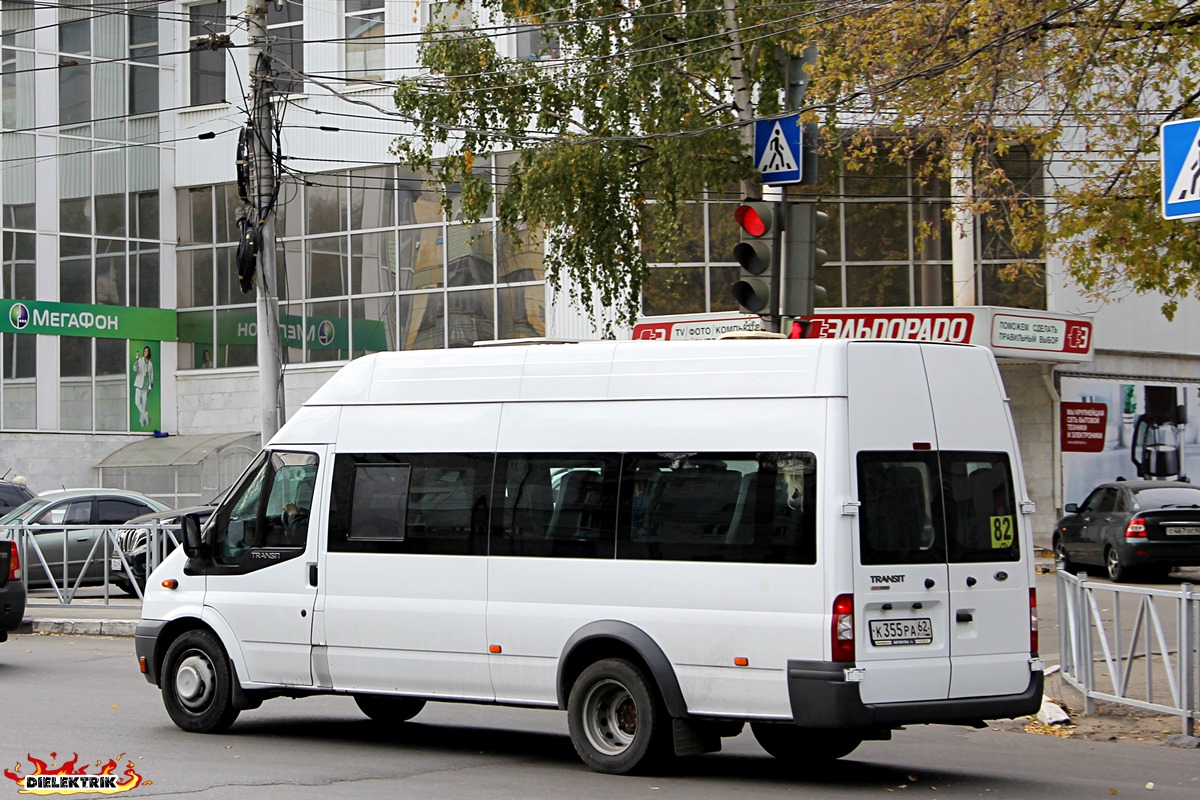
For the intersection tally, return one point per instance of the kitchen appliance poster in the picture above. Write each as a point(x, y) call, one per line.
point(1112, 429)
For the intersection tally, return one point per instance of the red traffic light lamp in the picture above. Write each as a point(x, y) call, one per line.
point(758, 254)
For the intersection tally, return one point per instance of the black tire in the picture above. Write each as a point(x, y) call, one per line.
point(806, 745)
point(389, 707)
point(1060, 556)
point(197, 683)
point(126, 588)
point(1116, 571)
point(618, 723)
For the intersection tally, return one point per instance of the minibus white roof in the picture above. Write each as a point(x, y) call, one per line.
point(605, 370)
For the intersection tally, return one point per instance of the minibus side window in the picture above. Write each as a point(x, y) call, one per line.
point(736, 507)
point(981, 519)
point(431, 503)
point(379, 501)
point(560, 505)
point(899, 517)
point(270, 509)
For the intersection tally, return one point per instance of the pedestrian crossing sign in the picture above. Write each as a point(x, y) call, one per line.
point(777, 150)
point(1179, 151)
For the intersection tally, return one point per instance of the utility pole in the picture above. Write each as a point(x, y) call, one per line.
point(263, 192)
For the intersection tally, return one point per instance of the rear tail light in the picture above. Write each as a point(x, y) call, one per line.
point(14, 563)
point(1033, 623)
point(842, 628)
point(1136, 529)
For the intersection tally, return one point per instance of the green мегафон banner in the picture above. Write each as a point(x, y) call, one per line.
point(158, 324)
point(321, 333)
point(81, 319)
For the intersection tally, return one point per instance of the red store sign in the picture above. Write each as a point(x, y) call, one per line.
point(1009, 332)
point(1083, 427)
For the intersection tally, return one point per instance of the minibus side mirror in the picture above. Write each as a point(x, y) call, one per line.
point(193, 541)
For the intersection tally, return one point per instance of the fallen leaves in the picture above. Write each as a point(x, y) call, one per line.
point(1057, 731)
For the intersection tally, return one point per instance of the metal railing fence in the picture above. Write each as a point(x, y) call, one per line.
point(1131, 645)
point(62, 571)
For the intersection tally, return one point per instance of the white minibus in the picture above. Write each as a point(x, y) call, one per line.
point(668, 540)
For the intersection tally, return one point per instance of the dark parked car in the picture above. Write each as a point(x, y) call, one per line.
point(12, 591)
point(1128, 526)
point(135, 539)
point(53, 518)
point(13, 494)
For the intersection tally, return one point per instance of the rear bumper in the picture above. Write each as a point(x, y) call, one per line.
point(12, 605)
point(1138, 552)
point(821, 697)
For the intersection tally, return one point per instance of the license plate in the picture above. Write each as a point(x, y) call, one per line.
point(114, 565)
point(1182, 530)
point(891, 632)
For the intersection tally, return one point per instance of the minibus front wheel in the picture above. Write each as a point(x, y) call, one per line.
point(197, 683)
point(616, 720)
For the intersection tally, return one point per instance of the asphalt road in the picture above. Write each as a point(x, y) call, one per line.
point(83, 695)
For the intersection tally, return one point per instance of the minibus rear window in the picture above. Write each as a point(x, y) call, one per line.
point(897, 519)
point(981, 517)
point(928, 507)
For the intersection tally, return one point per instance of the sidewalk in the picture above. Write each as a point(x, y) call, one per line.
point(86, 614)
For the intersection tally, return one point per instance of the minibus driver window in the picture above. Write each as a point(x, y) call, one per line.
point(270, 509)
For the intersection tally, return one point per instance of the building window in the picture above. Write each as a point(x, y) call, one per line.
point(366, 261)
point(889, 243)
point(285, 27)
point(452, 14)
point(18, 281)
point(143, 61)
point(696, 281)
point(74, 65)
point(365, 30)
point(208, 280)
point(18, 381)
point(206, 65)
point(535, 43)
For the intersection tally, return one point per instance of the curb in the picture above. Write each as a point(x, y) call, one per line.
point(77, 627)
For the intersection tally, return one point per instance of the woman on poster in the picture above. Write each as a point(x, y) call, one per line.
point(143, 382)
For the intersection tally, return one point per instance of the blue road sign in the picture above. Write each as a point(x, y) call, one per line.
point(777, 150)
point(1179, 148)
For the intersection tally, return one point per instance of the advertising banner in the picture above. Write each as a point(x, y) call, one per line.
point(1114, 429)
point(320, 333)
point(145, 398)
point(1009, 332)
point(81, 319)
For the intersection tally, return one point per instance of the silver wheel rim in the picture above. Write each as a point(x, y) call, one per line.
point(1114, 564)
point(610, 717)
point(195, 681)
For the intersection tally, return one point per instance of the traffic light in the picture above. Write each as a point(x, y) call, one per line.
point(800, 290)
point(757, 288)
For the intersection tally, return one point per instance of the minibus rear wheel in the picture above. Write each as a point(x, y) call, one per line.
point(616, 720)
point(791, 742)
point(197, 683)
point(389, 707)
